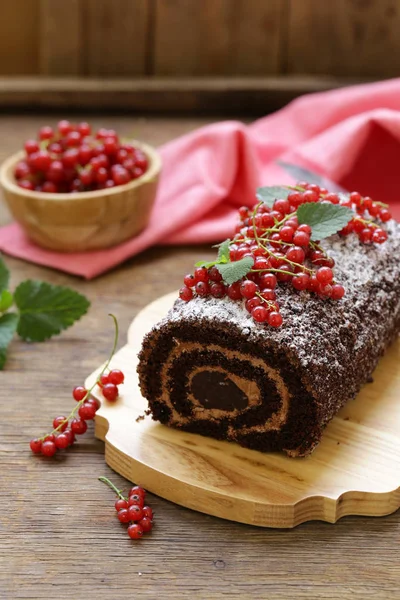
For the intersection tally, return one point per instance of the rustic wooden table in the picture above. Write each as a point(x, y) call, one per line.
point(59, 534)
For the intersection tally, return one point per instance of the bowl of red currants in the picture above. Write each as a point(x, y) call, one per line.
point(74, 189)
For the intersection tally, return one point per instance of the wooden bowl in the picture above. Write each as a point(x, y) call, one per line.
point(83, 220)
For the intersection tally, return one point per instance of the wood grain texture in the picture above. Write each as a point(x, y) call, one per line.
point(59, 534)
point(354, 470)
point(61, 37)
point(116, 37)
point(215, 37)
point(19, 39)
point(202, 95)
point(348, 37)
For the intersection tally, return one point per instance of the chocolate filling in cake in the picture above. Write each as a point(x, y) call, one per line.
point(208, 368)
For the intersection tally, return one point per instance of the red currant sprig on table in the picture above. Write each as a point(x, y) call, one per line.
point(66, 428)
point(132, 510)
point(283, 252)
point(72, 159)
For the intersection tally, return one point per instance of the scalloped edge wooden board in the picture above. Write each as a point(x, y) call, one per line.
point(354, 471)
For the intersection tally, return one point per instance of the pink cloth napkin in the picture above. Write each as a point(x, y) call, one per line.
point(350, 135)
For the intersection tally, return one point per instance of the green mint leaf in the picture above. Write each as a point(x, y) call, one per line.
point(45, 309)
point(325, 219)
point(4, 275)
point(268, 195)
point(6, 300)
point(204, 263)
point(233, 271)
point(8, 326)
point(223, 252)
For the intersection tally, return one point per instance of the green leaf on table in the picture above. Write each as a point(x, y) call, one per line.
point(268, 195)
point(300, 173)
point(324, 218)
point(204, 263)
point(234, 271)
point(45, 309)
point(8, 326)
point(6, 300)
point(4, 275)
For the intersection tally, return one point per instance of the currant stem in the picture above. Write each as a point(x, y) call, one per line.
point(112, 486)
point(89, 391)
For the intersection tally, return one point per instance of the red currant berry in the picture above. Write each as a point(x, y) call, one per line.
point(36, 446)
point(84, 129)
point(384, 215)
point(310, 196)
point(374, 209)
point(301, 238)
point(121, 176)
point(49, 438)
point(234, 292)
point(110, 145)
point(147, 512)
point(379, 236)
point(282, 206)
point(337, 291)
point(185, 294)
point(314, 188)
point(60, 421)
point(70, 157)
point(136, 499)
point(300, 282)
point(332, 198)
point(101, 175)
point(202, 288)
point(146, 524)
point(87, 411)
point(355, 198)
point(78, 426)
point(259, 314)
point(62, 441)
point(324, 275)
point(48, 448)
point(120, 503)
point(267, 220)
point(276, 215)
point(217, 290)
point(26, 184)
point(22, 170)
point(55, 172)
point(41, 160)
point(31, 146)
point(295, 199)
point(104, 379)
point(285, 273)
point(189, 280)
point(135, 532)
point(135, 512)
point(261, 264)
point(79, 392)
point(214, 275)
point(248, 288)
point(268, 280)
point(304, 228)
point(296, 254)
point(286, 233)
point(46, 133)
point(116, 376)
point(70, 435)
point(123, 515)
point(49, 187)
point(252, 303)
point(313, 284)
point(325, 289)
point(275, 319)
point(243, 212)
point(200, 274)
point(64, 127)
point(137, 489)
point(365, 235)
point(110, 392)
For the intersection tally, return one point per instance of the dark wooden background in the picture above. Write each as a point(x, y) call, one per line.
point(190, 55)
point(59, 537)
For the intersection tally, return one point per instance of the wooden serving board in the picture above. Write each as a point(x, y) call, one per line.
point(354, 471)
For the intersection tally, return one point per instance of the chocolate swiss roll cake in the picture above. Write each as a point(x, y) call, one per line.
point(217, 367)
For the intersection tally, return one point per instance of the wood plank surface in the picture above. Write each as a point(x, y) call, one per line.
point(359, 38)
point(215, 37)
point(61, 35)
point(19, 39)
point(59, 534)
point(186, 95)
point(116, 37)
